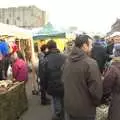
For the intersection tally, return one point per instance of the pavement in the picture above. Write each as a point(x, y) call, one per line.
point(35, 111)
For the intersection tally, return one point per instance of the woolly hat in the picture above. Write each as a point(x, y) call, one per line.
point(51, 44)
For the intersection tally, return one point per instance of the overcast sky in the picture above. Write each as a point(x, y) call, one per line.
point(89, 15)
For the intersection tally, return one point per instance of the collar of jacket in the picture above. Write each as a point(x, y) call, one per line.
point(54, 50)
point(77, 54)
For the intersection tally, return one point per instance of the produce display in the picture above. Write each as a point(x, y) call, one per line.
point(5, 85)
point(13, 102)
point(102, 112)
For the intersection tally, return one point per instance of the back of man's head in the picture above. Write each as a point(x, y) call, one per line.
point(81, 40)
point(51, 44)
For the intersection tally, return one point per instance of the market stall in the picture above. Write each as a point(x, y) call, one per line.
point(12, 33)
point(14, 96)
point(47, 33)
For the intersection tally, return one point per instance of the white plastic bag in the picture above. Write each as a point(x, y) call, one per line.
point(9, 73)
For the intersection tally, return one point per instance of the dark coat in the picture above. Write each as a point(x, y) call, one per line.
point(1, 70)
point(110, 49)
point(53, 72)
point(99, 53)
point(82, 85)
point(112, 87)
point(41, 70)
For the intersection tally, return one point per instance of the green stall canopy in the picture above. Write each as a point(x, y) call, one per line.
point(48, 31)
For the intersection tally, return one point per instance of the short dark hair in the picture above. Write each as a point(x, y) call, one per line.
point(82, 39)
point(51, 44)
point(43, 48)
point(20, 55)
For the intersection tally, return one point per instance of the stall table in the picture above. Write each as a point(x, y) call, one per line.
point(13, 102)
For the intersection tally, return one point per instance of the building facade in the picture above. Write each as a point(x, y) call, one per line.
point(116, 26)
point(26, 17)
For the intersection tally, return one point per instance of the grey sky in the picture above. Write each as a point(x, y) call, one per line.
point(89, 15)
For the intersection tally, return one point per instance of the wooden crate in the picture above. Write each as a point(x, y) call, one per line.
point(13, 102)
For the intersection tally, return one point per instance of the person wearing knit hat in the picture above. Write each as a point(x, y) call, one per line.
point(53, 69)
point(51, 45)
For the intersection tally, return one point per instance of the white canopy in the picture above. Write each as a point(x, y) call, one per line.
point(12, 30)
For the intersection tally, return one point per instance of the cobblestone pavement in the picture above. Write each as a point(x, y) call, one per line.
point(36, 111)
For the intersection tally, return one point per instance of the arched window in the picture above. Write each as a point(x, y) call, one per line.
point(15, 22)
point(18, 18)
point(7, 21)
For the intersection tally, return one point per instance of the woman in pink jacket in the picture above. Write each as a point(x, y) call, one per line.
point(19, 67)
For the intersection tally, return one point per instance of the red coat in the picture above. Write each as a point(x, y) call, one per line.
point(20, 70)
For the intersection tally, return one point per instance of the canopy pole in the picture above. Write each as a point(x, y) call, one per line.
point(33, 65)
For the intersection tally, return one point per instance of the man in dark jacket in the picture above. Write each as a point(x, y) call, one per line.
point(82, 82)
point(99, 53)
point(110, 46)
point(53, 73)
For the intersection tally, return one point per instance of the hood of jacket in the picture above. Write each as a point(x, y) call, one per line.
point(77, 54)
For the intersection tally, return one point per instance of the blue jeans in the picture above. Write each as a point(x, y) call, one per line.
point(58, 106)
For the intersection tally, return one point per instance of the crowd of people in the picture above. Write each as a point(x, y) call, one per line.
point(79, 82)
point(75, 82)
point(11, 57)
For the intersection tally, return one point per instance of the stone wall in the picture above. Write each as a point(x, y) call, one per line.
point(27, 17)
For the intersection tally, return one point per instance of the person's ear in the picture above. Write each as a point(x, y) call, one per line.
point(84, 47)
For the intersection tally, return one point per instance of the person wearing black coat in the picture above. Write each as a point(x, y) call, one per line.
point(99, 53)
point(43, 84)
point(53, 73)
point(1, 70)
point(110, 47)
